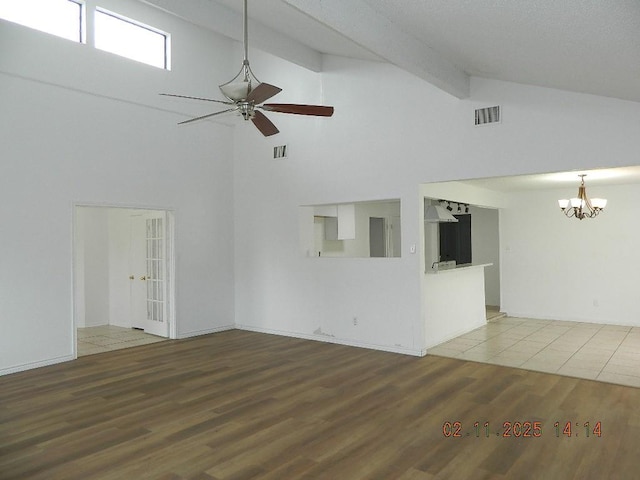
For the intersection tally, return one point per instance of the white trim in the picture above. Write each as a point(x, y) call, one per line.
point(139, 206)
point(208, 331)
point(339, 341)
point(74, 247)
point(565, 318)
point(181, 336)
point(170, 230)
point(31, 365)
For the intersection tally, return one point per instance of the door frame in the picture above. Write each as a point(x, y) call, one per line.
point(77, 294)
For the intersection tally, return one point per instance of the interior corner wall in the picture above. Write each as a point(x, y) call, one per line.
point(587, 270)
point(95, 237)
point(81, 126)
point(485, 246)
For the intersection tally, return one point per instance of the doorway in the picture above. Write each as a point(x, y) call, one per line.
point(124, 287)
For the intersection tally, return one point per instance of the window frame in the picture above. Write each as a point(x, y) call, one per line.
point(82, 24)
point(165, 35)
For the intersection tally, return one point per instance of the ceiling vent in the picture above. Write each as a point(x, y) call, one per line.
point(488, 115)
point(280, 151)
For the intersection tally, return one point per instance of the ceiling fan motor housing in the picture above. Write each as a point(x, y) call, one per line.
point(246, 110)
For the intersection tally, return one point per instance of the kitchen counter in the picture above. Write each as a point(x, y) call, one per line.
point(454, 302)
point(457, 268)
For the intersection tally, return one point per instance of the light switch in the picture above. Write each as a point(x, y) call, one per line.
point(412, 248)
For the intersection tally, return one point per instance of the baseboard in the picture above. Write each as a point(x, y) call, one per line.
point(29, 366)
point(339, 341)
point(196, 333)
point(563, 318)
point(182, 335)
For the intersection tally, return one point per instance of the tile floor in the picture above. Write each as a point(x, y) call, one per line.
point(609, 353)
point(107, 337)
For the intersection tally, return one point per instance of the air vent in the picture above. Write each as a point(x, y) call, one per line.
point(487, 115)
point(280, 151)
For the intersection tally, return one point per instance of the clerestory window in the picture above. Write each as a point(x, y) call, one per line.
point(111, 32)
point(131, 39)
point(64, 18)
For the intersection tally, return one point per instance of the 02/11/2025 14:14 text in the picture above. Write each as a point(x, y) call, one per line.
point(525, 429)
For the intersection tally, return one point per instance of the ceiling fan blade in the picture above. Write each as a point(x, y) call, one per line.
point(207, 116)
point(262, 92)
point(266, 127)
point(195, 98)
point(316, 110)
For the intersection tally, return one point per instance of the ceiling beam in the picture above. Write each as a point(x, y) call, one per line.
point(356, 20)
point(227, 22)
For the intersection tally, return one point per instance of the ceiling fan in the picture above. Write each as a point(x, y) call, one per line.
point(245, 94)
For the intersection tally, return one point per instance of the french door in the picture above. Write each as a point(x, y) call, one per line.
point(148, 280)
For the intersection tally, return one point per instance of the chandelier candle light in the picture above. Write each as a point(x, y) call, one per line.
point(581, 207)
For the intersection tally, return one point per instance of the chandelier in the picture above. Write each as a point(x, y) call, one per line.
point(581, 207)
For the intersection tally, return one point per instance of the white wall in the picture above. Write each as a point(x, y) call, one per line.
point(546, 130)
point(93, 224)
point(383, 145)
point(485, 248)
point(566, 269)
point(79, 125)
point(361, 153)
point(83, 126)
point(101, 266)
point(119, 266)
point(455, 303)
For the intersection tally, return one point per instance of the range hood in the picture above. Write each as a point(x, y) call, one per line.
point(437, 214)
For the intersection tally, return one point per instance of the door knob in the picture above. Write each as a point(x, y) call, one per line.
point(144, 278)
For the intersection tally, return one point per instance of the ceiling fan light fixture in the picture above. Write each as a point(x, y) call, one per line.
point(239, 87)
point(245, 93)
point(236, 91)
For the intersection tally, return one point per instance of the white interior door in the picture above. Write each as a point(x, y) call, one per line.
point(148, 279)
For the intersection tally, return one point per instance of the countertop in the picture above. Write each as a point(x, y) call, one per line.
point(457, 268)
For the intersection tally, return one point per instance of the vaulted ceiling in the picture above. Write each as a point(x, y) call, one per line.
point(588, 46)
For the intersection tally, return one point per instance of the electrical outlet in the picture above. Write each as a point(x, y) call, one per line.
point(355, 320)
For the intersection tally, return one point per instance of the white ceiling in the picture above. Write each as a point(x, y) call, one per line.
point(588, 46)
point(284, 18)
point(546, 181)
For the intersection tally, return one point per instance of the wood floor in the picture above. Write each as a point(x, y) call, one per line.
point(242, 405)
